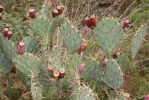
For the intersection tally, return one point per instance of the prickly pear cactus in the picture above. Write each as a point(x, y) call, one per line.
point(138, 39)
point(113, 75)
point(71, 37)
point(43, 27)
point(7, 54)
point(83, 93)
point(32, 44)
point(108, 34)
point(26, 65)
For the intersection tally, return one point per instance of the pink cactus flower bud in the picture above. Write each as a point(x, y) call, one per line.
point(105, 62)
point(74, 82)
point(81, 68)
point(125, 23)
point(146, 97)
point(21, 48)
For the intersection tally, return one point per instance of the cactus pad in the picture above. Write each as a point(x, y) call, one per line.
point(113, 75)
point(28, 63)
point(7, 53)
point(138, 39)
point(92, 72)
point(83, 93)
point(43, 27)
point(107, 34)
point(71, 37)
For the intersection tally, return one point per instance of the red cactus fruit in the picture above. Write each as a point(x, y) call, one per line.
point(32, 13)
point(56, 74)
point(1, 8)
point(93, 20)
point(5, 32)
point(125, 23)
point(82, 48)
point(105, 62)
point(60, 9)
point(81, 68)
point(62, 73)
point(1, 16)
point(9, 35)
point(90, 22)
point(55, 13)
point(21, 48)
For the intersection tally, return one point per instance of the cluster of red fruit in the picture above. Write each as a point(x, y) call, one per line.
point(57, 74)
point(58, 11)
point(6, 31)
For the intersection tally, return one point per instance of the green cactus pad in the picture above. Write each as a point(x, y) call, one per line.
point(124, 62)
point(92, 72)
point(7, 54)
point(56, 57)
point(83, 93)
point(71, 37)
point(138, 40)
point(28, 63)
point(30, 32)
point(43, 27)
point(113, 75)
point(32, 44)
point(108, 34)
